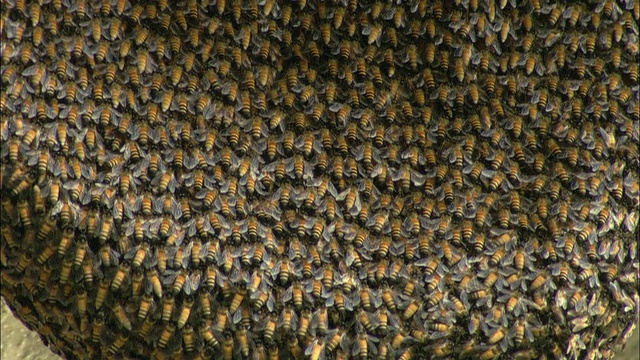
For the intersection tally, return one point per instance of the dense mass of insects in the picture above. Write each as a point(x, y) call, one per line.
point(327, 180)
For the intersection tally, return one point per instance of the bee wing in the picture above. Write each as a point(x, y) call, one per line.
point(357, 348)
point(329, 297)
point(31, 70)
point(192, 283)
point(417, 178)
point(33, 155)
point(158, 204)
point(604, 248)
point(263, 323)
point(150, 261)
point(341, 196)
point(631, 220)
point(204, 251)
point(132, 252)
point(237, 316)
point(130, 227)
point(300, 141)
point(357, 206)
point(176, 210)
point(169, 276)
point(152, 226)
point(190, 162)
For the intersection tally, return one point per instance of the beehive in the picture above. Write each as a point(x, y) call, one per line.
point(323, 180)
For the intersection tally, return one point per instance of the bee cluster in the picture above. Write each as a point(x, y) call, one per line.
point(324, 179)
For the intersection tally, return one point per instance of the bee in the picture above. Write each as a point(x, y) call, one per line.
point(286, 319)
point(39, 204)
point(26, 259)
point(44, 256)
point(81, 250)
point(269, 326)
point(575, 299)
point(25, 214)
point(121, 316)
point(538, 282)
point(539, 184)
point(105, 229)
point(118, 279)
point(208, 335)
point(28, 139)
point(586, 233)
point(168, 302)
point(166, 334)
point(145, 305)
point(242, 339)
point(184, 313)
point(237, 300)
point(388, 298)
point(97, 328)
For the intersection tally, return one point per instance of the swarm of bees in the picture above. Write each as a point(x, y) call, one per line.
point(338, 179)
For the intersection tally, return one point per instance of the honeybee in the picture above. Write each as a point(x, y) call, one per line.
point(184, 313)
point(165, 336)
point(208, 335)
point(97, 328)
point(122, 317)
point(103, 289)
point(25, 214)
point(268, 326)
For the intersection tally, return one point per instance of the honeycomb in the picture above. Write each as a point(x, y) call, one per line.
point(265, 179)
